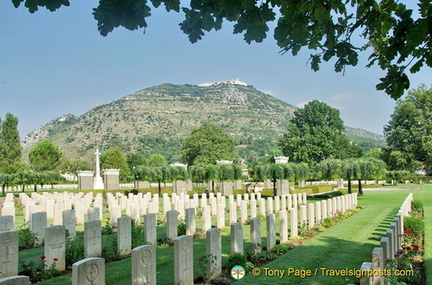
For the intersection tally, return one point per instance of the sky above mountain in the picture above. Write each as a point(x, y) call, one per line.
point(57, 63)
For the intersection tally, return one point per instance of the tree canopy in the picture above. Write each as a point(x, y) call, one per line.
point(397, 37)
point(114, 158)
point(316, 132)
point(409, 132)
point(44, 156)
point(10, 147)
point(208, 144)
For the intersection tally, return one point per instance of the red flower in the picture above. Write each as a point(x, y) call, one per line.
point(415, 246)
point(16, 202)
point(357, 282)
point(55, 259)
point(42, 257)
point(408, 248)
point(200, 259)
point(408, 232)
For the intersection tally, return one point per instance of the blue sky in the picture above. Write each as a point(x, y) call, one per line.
point(57, 63)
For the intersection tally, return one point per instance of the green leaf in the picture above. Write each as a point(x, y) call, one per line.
point(17, 3)
point(416, 67)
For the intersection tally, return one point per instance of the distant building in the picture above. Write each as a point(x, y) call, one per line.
point(179, 164)
point(281, 159)
point(233, 81)
point(224, 162)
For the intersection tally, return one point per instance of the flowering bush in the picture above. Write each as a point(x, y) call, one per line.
point(36, 270)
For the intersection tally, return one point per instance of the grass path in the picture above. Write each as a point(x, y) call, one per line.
point(346, 245)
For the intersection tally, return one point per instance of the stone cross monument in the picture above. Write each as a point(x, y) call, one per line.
point(98, 183)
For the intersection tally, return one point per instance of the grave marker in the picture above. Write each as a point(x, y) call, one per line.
point(124, 235)
point(89, 271)
point(8, 253)
point(144, 265)
point(214, 253)
point(92, 239)
point(183, 260)
point(55, 247)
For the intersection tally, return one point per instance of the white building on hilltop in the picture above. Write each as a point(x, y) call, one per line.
point(232, 81)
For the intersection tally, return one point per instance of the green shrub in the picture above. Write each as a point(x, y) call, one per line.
point(107, 229)
point(329, 195)
point(281, 248)
point(137, 235)
point(181, 228)
point(414, 224)
point(417, 208)
point(74, 251)
point(109, 248)
point(328, 222)
point(235, 259)
point(26, 238)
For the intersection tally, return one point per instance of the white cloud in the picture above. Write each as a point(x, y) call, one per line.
point(342, 100)
point(302, 104)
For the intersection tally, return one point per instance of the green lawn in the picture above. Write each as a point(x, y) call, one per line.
point(346, 245)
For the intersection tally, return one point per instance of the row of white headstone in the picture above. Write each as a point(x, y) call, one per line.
point(54, 236)
point(390, 244)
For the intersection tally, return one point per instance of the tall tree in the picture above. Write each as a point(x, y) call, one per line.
point(409, 132)
point(207, 144)
point(156, 160)
point(10, 147)
point(44, 156)
point(114, 158)
point(398, 38)
point(316, 132)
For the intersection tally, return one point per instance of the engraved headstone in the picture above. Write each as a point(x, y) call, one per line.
point(15, 280)
point(144, 265)
point(271, 233)
point(69, 222)
point(89, 271)
point(6, 223)
point(8, 253)
point(183, 260)
point(236, 238)
point(55, 247)
point(171, 227)
point(293, 222)
point(150, 234)
point(190, 221)
point(283, 222)
point(124, 235)
point(214, 253)
point(39, 223)
point(92, 239)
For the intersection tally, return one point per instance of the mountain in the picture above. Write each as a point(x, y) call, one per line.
point(156, 119)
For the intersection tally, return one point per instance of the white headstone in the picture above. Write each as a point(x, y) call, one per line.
point(183, 260)
point(236, 238)
point(89, 271)
point(124, 235)
point(55, 247)
point(144, 265)
point(8, 253)
point(92, 239)
point(214, 253)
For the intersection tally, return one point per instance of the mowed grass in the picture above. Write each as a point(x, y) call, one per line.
point(346, 245)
